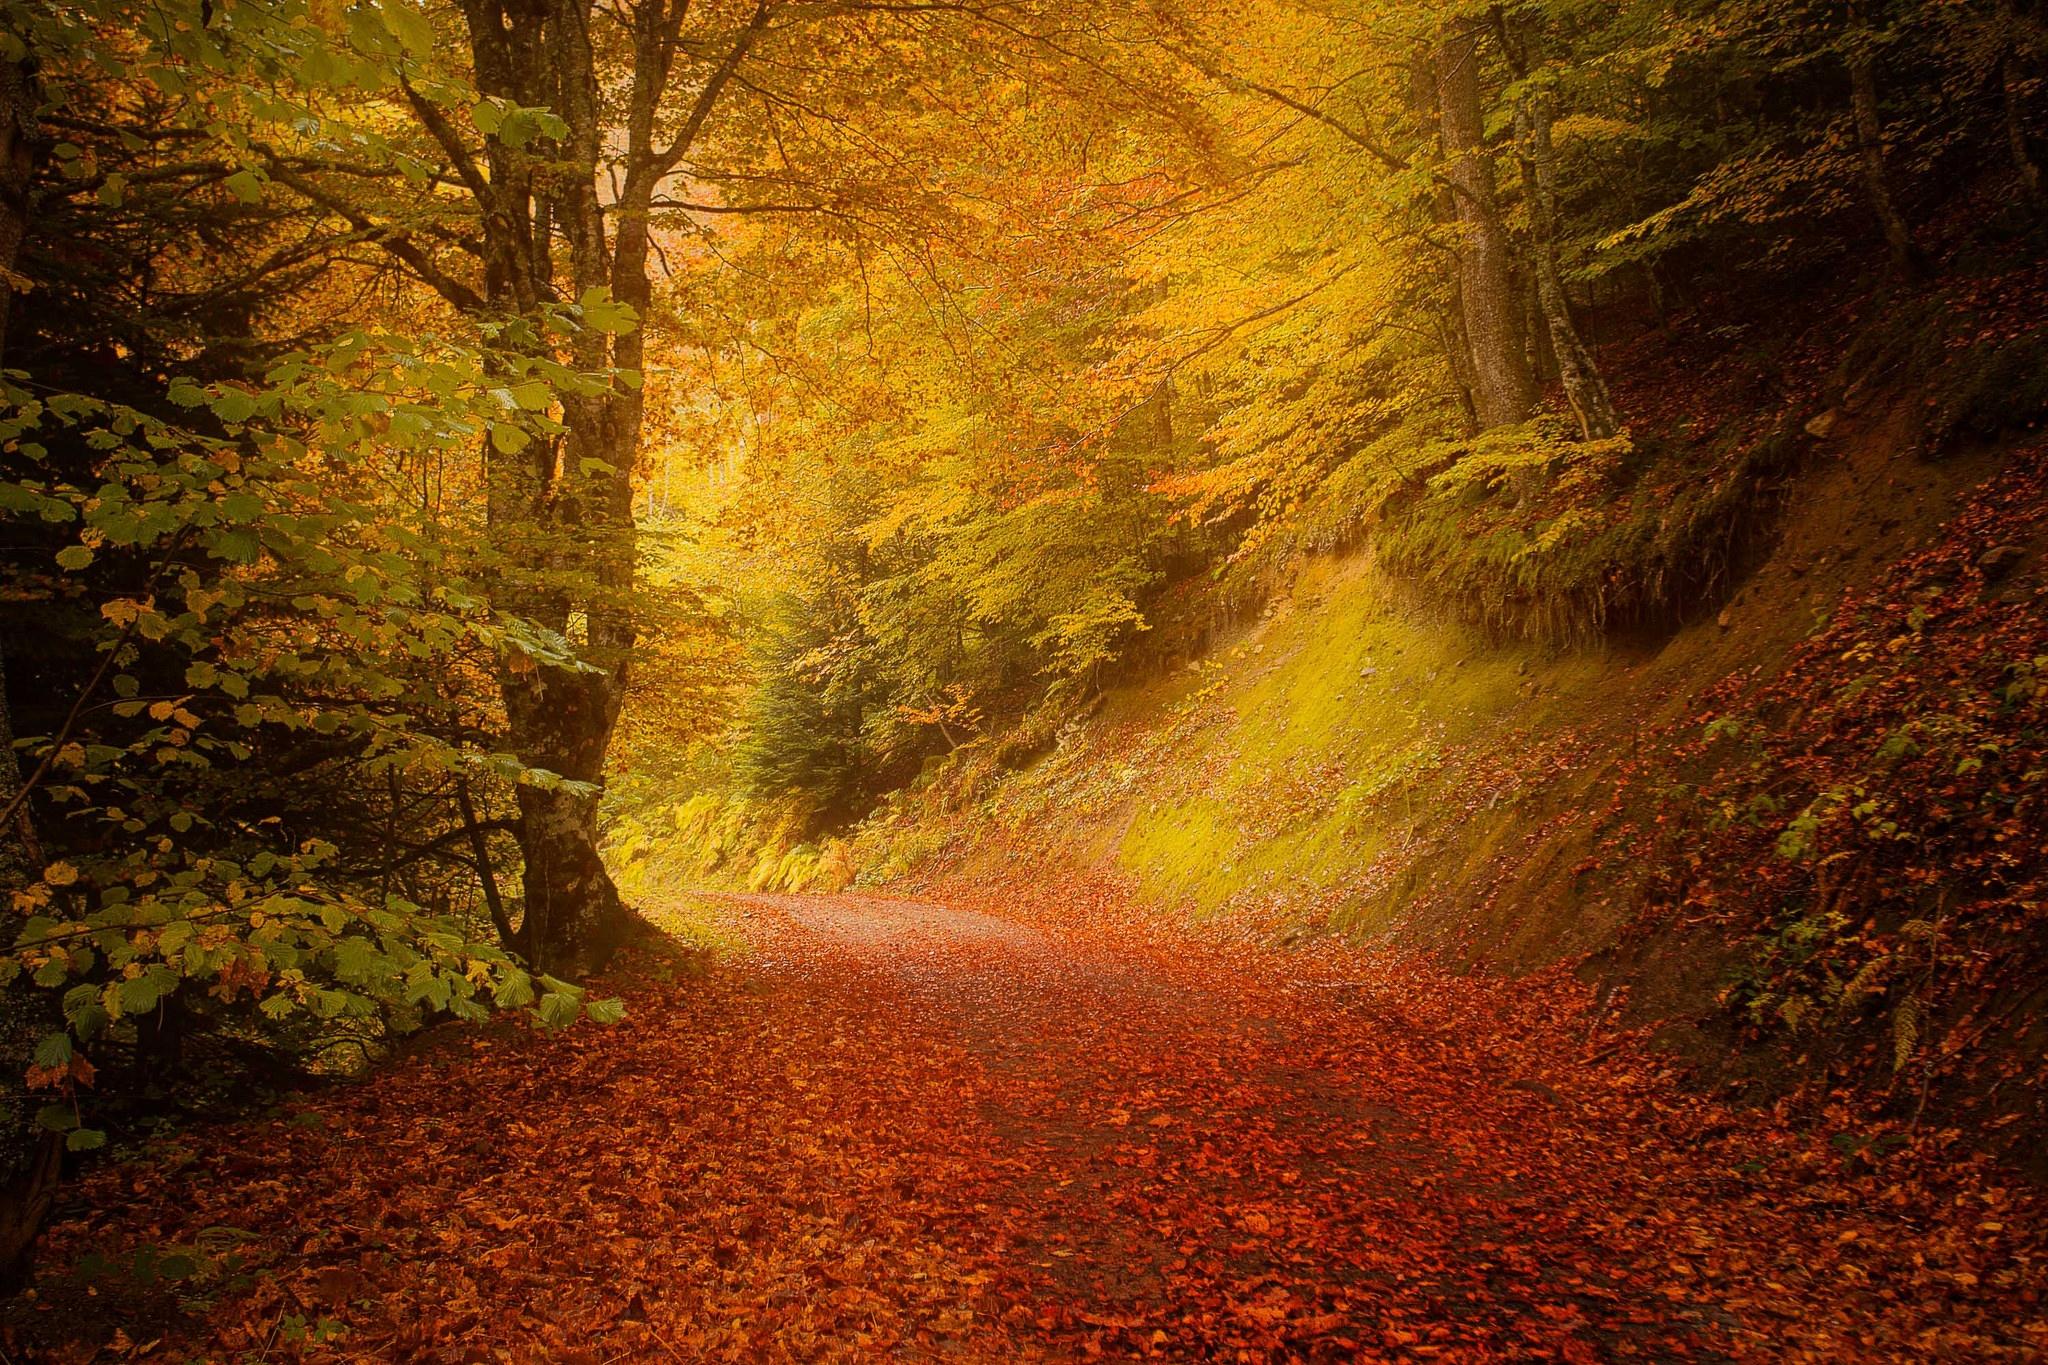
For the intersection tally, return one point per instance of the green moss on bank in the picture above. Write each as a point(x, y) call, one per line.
point(1298, 769)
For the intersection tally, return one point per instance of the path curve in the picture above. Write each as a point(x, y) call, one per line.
point(891, 1130)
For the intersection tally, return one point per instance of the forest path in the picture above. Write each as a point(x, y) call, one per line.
point(897, 1131)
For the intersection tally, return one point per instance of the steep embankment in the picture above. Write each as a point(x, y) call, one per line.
point(1801, 814)
point(1362, 760)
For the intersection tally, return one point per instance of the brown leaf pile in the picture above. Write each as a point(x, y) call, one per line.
point(893, 1131)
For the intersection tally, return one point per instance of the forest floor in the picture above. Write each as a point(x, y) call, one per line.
point(886, 1130)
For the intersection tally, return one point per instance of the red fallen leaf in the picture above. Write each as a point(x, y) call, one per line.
point(943, 1177)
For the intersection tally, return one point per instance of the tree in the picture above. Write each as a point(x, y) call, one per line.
point(20, 131)
point(585, 136)
point(1535, 105)
point(249, 645)
point(1860, 46)
point(536, 163)
point(1503, 392)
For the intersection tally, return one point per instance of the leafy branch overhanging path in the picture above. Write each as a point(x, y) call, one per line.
point(892, 1130)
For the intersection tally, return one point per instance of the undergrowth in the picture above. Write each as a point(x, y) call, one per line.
point(1535, 537)
point(1868, 821)
point(660, 851)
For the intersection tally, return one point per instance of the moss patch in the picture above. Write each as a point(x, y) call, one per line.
point(1302, 765)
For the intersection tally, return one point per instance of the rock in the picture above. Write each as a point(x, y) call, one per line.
point(2000, 560)
point(1821, 426)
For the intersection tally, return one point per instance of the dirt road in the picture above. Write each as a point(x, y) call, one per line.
point(896, 1131)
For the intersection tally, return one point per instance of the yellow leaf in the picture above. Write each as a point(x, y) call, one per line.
point(60, 874)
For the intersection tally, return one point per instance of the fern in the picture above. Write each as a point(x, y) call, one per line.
point(1905, 1032)
point(1867, 981)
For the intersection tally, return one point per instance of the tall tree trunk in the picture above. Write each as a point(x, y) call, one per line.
point(563, 511)
point(1449, 320)
point(559, 510)
point(31, 1160)
point(574, 918)
point(1584, 389)
point(1502, 391)
point(2012, 104)
point(1907, 259)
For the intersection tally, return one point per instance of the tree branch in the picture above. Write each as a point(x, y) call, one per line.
point(395, 240)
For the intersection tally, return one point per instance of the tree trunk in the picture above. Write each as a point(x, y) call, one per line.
point(21, 854)
point(1450, 335)
point(563, 511)
point(1502, 391)
point(1536, 345)
point(1443, 209)
point(560, 510)
point(1907, 260)
point(574, 918)
point(19, 136)
point(25, 1202)
point(1584, 389)
point(486, 875)
point(2012, 104)
point(31, 1160)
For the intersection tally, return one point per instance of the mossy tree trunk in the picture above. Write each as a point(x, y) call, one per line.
point(2014, 33)
point(551, 224)
point(1503, 392)
point(1859, 55)
point(1535, 113)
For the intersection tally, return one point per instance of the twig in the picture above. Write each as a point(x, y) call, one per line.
point(20, 798)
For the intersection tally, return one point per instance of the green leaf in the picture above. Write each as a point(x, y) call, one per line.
point(414, 33)
point(85, 1140)
point(238, 545)
point(246, 186)
point(53, 1053)
point(559, 1009)
point(514, 989)
point(234, 405)
point(600, 312)
point(354, 958)
point(74, 557)
point(605, 1011)
point(141, 994)
point(508, 439)
point(533, 396)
